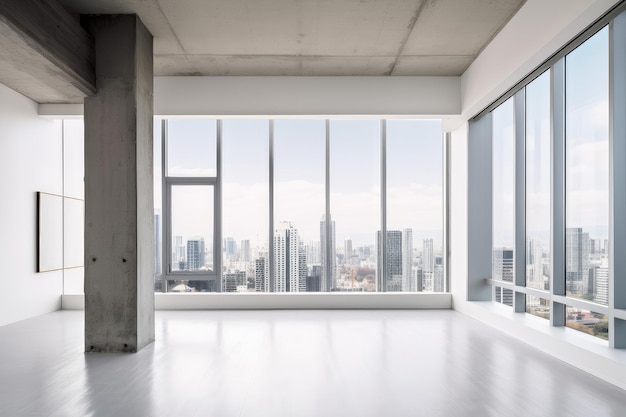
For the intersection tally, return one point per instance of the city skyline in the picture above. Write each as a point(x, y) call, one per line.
point(414, 269)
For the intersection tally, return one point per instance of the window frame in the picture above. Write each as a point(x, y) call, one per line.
point(216, 274)
point(167, 184)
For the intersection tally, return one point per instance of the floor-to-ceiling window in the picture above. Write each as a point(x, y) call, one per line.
point(503, 202)
point(587, 181)
point(302, 205)
point(551, 181)
point(414, 208)
point(245, 183)
point(190, 190)
point(538, 189)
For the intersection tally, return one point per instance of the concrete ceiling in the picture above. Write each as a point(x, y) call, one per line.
point(313, 37)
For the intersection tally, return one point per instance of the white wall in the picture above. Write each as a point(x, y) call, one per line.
point(30, 161)
point(458, 214)
point(74, 186)
point(353, 97)
point(535, 33)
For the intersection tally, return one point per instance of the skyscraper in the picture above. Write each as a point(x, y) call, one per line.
point(195, 253)
point(244, 251)
point(577, 260)
point(287, 260)
point(393, 259)
point(261, 276)
point(534, 265)
point(438, 279)
point(347, 251)
point(428, 265)
point(230, 247)
point(302, 266)
point(601, 283)
point(179, 251)
point(328, 255)
point(428, 256)
point(502, 267)
point(408, 279)
point(313, 281)
point(232, 280)
point(313, 253)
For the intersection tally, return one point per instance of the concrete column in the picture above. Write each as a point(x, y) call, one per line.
point(119, 264)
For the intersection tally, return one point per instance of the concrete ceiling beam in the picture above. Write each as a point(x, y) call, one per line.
point(44, 52)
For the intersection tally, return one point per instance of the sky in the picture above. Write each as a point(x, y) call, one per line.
point(414, 162)
point(586, 149)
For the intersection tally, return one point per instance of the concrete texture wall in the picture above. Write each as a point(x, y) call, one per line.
point(30, 161)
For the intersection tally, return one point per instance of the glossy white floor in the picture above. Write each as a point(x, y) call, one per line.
point(293, 363)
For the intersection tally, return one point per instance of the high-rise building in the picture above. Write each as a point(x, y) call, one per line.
point(313, 280)
point(244, 251)
point(503, 270)
point(287, 262)
point(230, 248)
point(179, 250)
point(535, 274)
point(428, 256)
point(408, 279)
point(502, 264)
point(195, 253)
point(313, 253)
point(232, 280)
point(601, 283)
point(393, 259)
point(261, 276)
point(419, 278)
point(577, 260)
point(438, 279)
point(328, 255)
point(347, 251)
point(302, 268)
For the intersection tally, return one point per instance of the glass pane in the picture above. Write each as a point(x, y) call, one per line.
point(245, 202)
point(537, 306)
point(299, 203)
point(504, 194)
point(595, 324)
point(538, 179)
point(587, 169)
point(415, 205)
point(192, 228)
point(191, 148)
point(158, 203)
point(354, 204)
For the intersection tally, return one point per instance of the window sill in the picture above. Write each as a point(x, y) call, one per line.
point(285, 301)
point(583, 351)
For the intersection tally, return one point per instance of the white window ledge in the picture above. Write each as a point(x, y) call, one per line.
point(586, 352)
point(270, 301)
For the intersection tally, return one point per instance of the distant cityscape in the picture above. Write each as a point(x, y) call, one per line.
point(586, 276)
point(300, 266)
